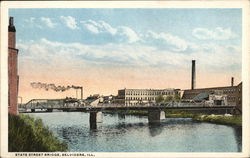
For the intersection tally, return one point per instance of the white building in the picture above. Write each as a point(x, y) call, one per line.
point(130, 97)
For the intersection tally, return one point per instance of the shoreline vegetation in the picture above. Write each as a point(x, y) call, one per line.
point(232, 120)
point(29, 134)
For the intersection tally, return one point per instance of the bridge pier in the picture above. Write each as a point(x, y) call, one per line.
point(94, 118)
point(154, 116)
point(162, 115)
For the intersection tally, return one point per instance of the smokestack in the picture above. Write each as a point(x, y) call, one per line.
point(193, 75)
point(232, 81)
point(11, 27)
point(81, 93)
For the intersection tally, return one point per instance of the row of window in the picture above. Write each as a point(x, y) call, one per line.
point(230, 98)
point(129, 104)
point(140, 98)
point(150, 93)
point(228, 91)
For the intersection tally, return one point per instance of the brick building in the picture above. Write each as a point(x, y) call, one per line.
point(13, 77)
point(233, 93)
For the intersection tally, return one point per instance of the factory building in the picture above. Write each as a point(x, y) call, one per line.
point(131, 97)
point(233, 93)
point(13, 78)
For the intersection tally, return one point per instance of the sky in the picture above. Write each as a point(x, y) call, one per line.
point(104, 50)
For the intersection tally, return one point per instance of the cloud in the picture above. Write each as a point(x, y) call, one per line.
point(48, 22)
point(174, 42)
point(120, 32)
point(216, 34)
point(70, 22)
point(92, 28)
point(108, 28)
point(30, 20)
point(99, 27)
point(50, 53)
point(129, 33)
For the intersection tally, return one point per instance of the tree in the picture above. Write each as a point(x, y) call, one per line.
point(177, 97)
point(159, 99)
point(169, 98)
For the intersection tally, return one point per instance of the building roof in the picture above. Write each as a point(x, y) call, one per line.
point(211, 88)
point(202, 96)
point(149, 89)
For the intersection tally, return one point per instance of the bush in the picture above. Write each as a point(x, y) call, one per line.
point(27, 134)
point(159, 99)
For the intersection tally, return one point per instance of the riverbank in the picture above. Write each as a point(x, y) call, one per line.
point(233, 120)
point(169, 113)
point(179, 114)
point(29, 134)
point(130, 112)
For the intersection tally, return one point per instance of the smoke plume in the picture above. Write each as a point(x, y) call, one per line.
point(51, 86)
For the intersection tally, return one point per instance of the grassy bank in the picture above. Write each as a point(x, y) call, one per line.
point(218, 119)
point(235, 120)
point(131, 112)
point(27, 134)
point(179, 114)
point(168, 113)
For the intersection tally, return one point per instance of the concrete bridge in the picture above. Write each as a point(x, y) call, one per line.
point(156, 111)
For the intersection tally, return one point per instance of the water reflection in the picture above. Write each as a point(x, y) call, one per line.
point(121, 116)
point(155, 128)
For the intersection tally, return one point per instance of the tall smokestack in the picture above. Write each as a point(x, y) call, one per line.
point(81, 93)
point(12, 33)
point(232, 81)
point(193, 75)
point(11, 27)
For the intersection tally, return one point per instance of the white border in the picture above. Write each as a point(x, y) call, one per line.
point(244, 4)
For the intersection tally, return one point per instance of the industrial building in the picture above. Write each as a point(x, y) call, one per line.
point(13, 78)
point(130, 97)
point(233, 93)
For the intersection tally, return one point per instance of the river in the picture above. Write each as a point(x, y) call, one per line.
point(134, 134)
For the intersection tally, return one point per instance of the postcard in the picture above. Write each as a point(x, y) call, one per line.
point(125, 79)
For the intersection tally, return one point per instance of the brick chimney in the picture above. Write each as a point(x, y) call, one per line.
point(232, 81)
point(12, 69)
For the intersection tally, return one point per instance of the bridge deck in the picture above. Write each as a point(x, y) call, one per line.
point(59, 104)
point(112, 108)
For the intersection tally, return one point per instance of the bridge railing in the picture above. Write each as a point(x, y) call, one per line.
point(168, 104)
point(59, 103)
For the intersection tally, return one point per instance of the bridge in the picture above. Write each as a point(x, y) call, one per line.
point(156, 111)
